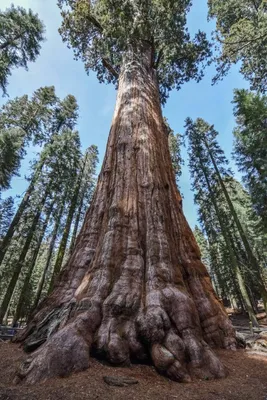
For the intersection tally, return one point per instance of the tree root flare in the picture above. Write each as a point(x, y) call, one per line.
point(174, 344)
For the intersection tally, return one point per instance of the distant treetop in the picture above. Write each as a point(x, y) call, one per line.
point(21, 33)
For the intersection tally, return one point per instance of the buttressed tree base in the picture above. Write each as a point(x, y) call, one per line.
point(134, 288)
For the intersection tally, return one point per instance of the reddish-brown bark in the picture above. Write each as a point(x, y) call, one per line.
point(134, 287)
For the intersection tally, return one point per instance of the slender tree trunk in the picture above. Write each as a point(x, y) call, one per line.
point(7, 239)
point(19, 263)
point(48, 259)
point(233, 259)
point(5, 319)
point(25, 201)
point(134, 287)
point(63, 242)
point(252, 299)
point(238, 293)
point(25, 286)
point(76, 226)
point(253, 261)
point(66, 232)
point(22, 207)
point(80, 207)
point(77, 222)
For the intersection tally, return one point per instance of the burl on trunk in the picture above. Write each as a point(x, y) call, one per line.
point(134, 287)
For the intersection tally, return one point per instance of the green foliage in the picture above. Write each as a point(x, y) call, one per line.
point(101, 32)
point(32, 116)
point(203, 245)
point(241, 33)
point(11, 152)
point(251, 146)
point(34, 120)
point(175, 142)
point(49, 122)
point(226, 242)
point(6, 214)
point(199, 134)
point(88, 181)
point(21, 33)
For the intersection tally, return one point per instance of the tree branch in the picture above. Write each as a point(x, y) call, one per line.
point(96, 23)
point(158, 59)
point(246, 41)
point(11, 40)
point(110, 68)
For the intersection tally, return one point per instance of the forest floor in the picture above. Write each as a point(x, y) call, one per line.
point(247, 380)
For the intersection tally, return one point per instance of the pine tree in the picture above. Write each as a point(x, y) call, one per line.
point(22, 121)
point(213, 168)
point(135, 269)
point(30, 267)
point(175, 141)
point(18, 264)
point(80, 201)
point(49, 254)
point(86, 191)
point(240, 37)
point(205, 178)
point(227, 253)
point(48, 117)
point(21, 33)
point(60, 162)
point(6, 214)
point(11, 152)
point(203, 245)
point(251, 146)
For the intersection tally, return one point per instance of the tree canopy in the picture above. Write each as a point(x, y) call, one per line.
point(101, 32)
point(241, 36)
point(11, 152)
point(21, 34)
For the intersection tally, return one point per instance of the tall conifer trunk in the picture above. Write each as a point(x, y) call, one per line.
point(20, 262)
point(251, 258)
point(31, 266)
point(134, 287)
point(48, 258)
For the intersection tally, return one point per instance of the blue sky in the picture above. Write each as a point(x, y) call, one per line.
point(55, 66)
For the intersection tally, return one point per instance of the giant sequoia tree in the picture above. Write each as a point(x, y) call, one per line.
point(134, 287)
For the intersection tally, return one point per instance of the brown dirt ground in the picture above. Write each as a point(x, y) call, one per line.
point(247, 380)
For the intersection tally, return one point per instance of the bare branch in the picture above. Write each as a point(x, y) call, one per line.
point(110, 68)
point(158, 59)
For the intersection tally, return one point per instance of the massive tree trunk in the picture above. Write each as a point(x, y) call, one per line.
point(134, 287)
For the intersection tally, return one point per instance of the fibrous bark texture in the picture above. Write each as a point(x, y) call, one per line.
point(134, 288)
